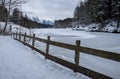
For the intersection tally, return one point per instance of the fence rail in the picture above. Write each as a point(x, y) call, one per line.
point(77, 48)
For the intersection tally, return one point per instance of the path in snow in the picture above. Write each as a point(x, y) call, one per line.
point(20, 62)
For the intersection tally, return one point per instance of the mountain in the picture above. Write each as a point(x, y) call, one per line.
point(46, 22)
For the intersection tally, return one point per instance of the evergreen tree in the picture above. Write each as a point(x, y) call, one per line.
point(3, 13)
point(98, 11)
point(116, 12)
point(16, 15)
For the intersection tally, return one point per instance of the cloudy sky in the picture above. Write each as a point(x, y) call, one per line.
point(50, 9)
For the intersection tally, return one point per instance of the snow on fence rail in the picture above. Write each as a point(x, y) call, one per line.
point(77, 48)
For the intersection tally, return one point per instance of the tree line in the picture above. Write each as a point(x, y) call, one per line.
point(98, 11)
point(17, 17)
point(25, 21)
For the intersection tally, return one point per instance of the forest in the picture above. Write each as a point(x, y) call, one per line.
point(102, 12)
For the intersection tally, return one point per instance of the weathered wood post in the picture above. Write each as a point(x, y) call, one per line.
point(77, 53)
point(47, 46)
point(33, 40)
point(16, 35)
point(13, 35)
point(20, 36)
point(25, 38)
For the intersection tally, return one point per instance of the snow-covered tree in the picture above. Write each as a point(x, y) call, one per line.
point(116, 11)
point(3, 13)
point(98, 11)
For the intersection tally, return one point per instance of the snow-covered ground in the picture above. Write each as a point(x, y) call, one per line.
point(98, 40)
point(20, 62)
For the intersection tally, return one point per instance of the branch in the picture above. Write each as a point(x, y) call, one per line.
point(15, 2)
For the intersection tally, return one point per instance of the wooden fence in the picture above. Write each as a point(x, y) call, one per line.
point(77, 48)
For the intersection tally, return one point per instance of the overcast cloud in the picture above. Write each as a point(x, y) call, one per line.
point(50, 9)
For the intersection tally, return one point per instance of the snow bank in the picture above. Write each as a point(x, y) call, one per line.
point(78, 27)
point(89, 28)
point(111, 27)
point(92, 28)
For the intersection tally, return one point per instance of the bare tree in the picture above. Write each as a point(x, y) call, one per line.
point(11, 4)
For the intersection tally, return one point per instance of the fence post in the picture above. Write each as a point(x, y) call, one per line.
point(13, 34)
point(16, 35)
point(25, 38)
point(47, 46)
point(20, 36)
point(77, 53)
point(33, 41)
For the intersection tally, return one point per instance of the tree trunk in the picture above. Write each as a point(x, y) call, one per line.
point(6, 23)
